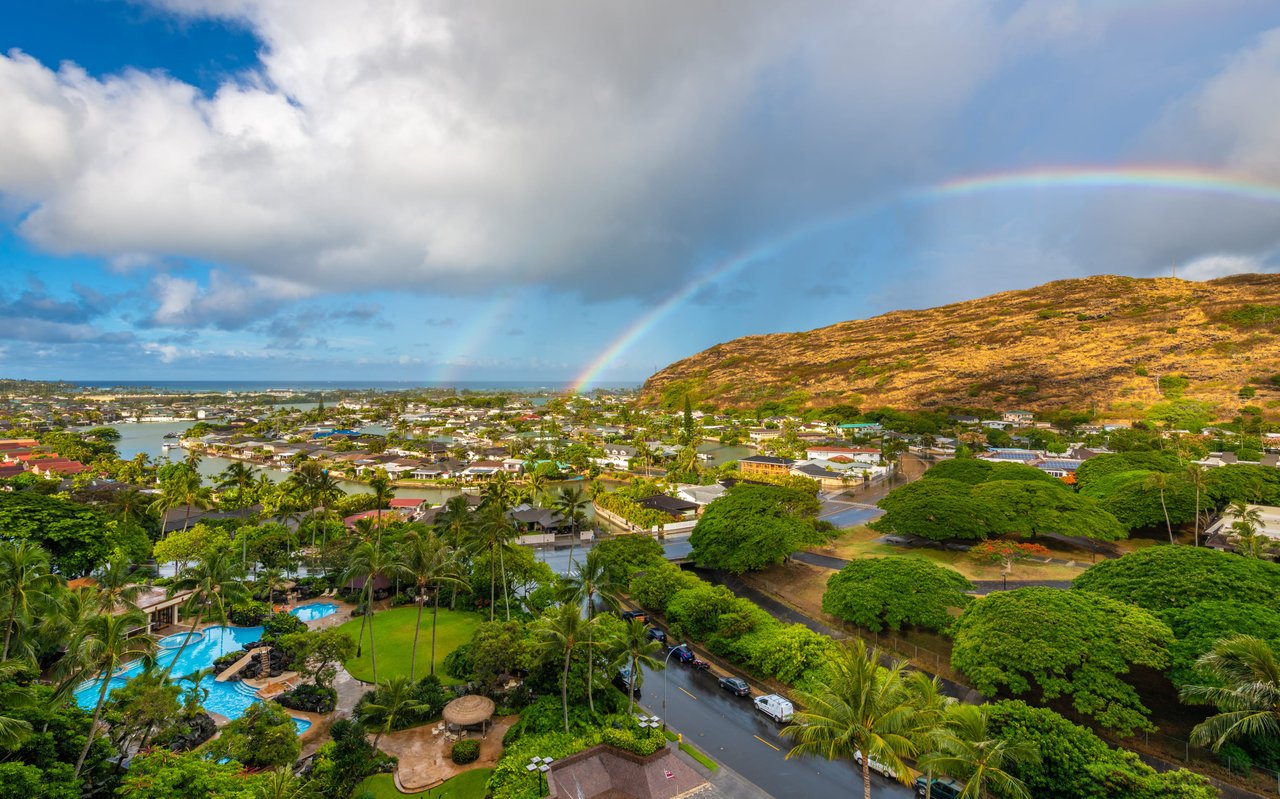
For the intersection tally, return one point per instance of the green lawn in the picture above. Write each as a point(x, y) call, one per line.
point(467, 785)
point(393, 631)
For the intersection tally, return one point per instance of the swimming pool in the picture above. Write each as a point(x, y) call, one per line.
point(230, 699)
point(315, 611)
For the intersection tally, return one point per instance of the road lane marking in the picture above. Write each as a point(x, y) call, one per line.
point(691, 696)
point(766, 743)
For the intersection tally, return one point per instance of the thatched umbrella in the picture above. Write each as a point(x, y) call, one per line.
point(468, 711)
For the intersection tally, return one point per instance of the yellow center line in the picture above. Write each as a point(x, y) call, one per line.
point(691, 696)
point(766, 743)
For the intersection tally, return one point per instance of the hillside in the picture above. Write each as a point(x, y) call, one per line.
point(1099, 343)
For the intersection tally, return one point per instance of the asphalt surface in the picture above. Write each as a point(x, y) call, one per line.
point(733, 732)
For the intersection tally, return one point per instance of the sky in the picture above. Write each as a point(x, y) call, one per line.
point(585, 192)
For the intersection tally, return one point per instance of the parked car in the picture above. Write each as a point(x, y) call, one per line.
point(624, 681)
point(735, 684)
point(875, 765)
point(654, 634)
point(628, 615)
point(942, 789)
point(776, 707)
point(682, 653)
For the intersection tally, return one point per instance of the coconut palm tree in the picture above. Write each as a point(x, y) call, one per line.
point(393, 699)
point(267, 582)
point(383, 493)
point(115, 584)
point(13, 731)
point(105, 647)
point(968, 751)
point(214, 578)
point(456, 524)
point(537, 485)
point(1246, 673)
point(195, 694)
point(237, 475)
point(930, 708)
point(635, 649)
point(26, 586)
point(193, 459)
point(433, 563)
point(185, 490)
point(562, 631)
point(570, 503)
point(280, 784)
point(1159, 481)
point(591, 580)
point(369, 561)
point(863, 707)
point(1195, 476)
point(498, 491)
point(493, 533)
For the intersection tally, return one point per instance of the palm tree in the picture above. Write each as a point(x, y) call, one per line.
point(537, 485)
point(930, 706)
point(105, 647)
point(862, 708)
point(456, 522)
point(498, 491)
point(195, 694)
point(193, 459)
point(237, 475)
point(591, 580)
point(570, 503)
point(280, 784)
point(370, 560)
point(563, 631)
point(493, 533)
point(267, 582)
point(1159, 481)
point(1195, 476)
point(380, 485)
point(967, 750)
point(393, 699)
point(115, 585)
point(1246, 692)
point(215, 577)
point(182, 490)
point(432, 563)
point(636, 649)
point(13, 731)
point(26, 584)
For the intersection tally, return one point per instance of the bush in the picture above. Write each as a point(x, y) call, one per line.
point(465, 751)
point(311, 698)
point(457, 664)
point(639, 742)
point(248, 614)
point(889, 592)
point(279, 624)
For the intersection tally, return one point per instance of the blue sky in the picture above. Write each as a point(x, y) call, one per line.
point(363, 189)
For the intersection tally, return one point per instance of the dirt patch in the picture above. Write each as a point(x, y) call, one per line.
point(424, 753)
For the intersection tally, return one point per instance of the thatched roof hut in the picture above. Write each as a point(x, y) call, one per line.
point(468, 711)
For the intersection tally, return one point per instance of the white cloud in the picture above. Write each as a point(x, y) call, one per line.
point(1215, 266)
point(462, 146)
point(224, 303)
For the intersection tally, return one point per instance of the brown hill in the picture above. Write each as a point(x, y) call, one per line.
point(1100, 343)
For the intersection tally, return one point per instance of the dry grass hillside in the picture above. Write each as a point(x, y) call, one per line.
point(1100, 343)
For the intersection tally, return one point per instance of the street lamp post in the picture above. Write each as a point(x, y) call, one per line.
point(541, 765)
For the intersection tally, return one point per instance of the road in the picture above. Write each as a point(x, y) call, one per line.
point(731, 731)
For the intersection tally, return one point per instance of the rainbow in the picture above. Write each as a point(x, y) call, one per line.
point(475, 334)
point(1183, 179)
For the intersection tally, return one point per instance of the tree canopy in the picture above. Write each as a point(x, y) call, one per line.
point(1065, 643)
point(1198, 627)
point(892, 591)
point(1076, 764)
point(974, 471)
point(753, 526)
point(76, 536)
point(1163, 577)
point(941, 507)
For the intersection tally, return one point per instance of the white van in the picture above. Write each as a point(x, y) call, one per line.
point(875, 765)
point(775, 707)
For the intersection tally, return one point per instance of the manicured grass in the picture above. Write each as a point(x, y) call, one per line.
point(467, 785)
point(393, 632)
point(693, 752)
point(859, 542)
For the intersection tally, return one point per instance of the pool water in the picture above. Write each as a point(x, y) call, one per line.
point(316, 611)
point(230, 699)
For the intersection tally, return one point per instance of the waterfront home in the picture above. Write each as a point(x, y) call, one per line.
point(765, 464)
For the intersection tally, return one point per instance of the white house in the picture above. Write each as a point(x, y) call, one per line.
point(858, 454)
point(1018, 417)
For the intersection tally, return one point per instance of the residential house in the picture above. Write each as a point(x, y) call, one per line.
point(1018, 417)
point(673, 506)
point(700, 495)
point(765, 464)
point(858, 454)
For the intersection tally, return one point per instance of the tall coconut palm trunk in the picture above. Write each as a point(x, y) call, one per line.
point(564, 688)
point(93, 725)
point(417, 628)
point(435, 613)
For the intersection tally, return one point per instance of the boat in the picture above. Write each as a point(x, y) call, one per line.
point(171, 435)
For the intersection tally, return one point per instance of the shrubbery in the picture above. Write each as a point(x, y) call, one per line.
point(730, 626)
point(311, 698)
point(894, 591)
point(465, 751)
point(248, 614)
point(280, 624)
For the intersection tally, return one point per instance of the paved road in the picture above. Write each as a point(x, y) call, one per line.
point(730, 730)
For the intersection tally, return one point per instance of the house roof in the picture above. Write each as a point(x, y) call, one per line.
point(767, 460)
point(666, 504)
